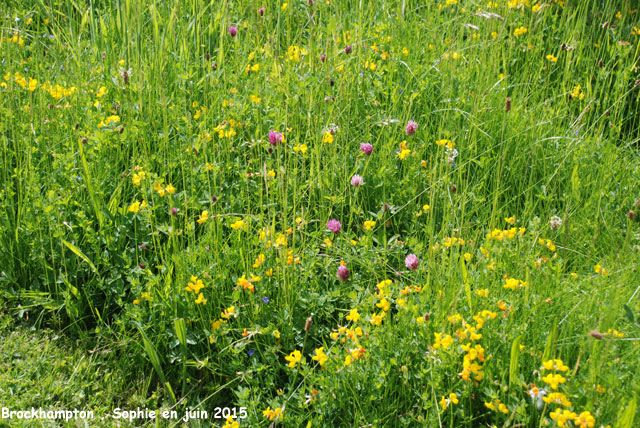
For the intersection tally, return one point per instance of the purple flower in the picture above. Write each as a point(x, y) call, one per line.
point(275, 137)
point(232, 30)
point(347, 49)
point(334, 225)
point(261, 11)
point(323, 58)
point(250, 352)
point(343, 273)
point(411, 262)
point(411, 127)
point(366, 148)
point(265, 299)
point(356, 180)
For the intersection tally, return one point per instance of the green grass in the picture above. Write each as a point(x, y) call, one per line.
point(150, 163)
point(42, 369)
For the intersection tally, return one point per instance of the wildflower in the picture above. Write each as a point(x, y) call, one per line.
point(261, 11)
point(343, 273)
point(510, 220)
point(327, 137)
point(229, 312)
point(204, 216)
point(411, 262)
point(403, 152)
point(585, 420)
point(444, 402)
point(369, 224)
point(334, 225)
point(552, 58)
point(376, 319)
point(320, 356)
point(555, 222)
point(232, 30)
point(555, 365)
point(411, 127)
point(443, 341)
point(554, 379)
point(519, 31)
point(353, 316)
point(347, 49)
point(201, 299)
point(134, 207)
point(356, 180)
point(300, 148)
point(557, 398)
point(275, 137)
point(562, 416)
point(576, 92)
point(195, 285)
point(366, 148)
point(273, 414)
point(599, 269)
point(238, 224)
point(537, 396)
point(293, 358)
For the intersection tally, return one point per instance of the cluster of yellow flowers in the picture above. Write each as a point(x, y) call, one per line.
point(195, 285)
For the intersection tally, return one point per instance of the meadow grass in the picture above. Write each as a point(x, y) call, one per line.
point(180, 181)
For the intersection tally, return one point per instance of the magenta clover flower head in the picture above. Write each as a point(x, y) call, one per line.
point(261, 11)
point(343, 273)
point(366, 148)
point(232, 30)
point(334, 225)
point(356, 180)
point(275, 137)
point(411, 127)
point(347, 49)
point(411, 262)
point(323, 58)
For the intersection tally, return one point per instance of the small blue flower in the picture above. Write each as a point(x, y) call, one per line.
point(265, 299)
point(250, 352)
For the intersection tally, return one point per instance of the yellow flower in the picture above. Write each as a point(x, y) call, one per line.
point(510, 220)
point(170, 189)
point(376, 319)
point(204, 216)
point(353, 316)
point(554, 379)
point(134, 207)
point(320, 356)
point(552, 58)
point(327, 137)
point(300, 148)
point(276, 334)
point(519, 31)
point(369, 224)
point(195, 285)
point(239, 224)
point(293, 358)
point(273, 414)
point(201, 299)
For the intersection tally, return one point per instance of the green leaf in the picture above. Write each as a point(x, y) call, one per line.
point(80, 254)
point(150, 350)
point(628, 416)
point(629, 313)
point(513, 364)
point(181, 330)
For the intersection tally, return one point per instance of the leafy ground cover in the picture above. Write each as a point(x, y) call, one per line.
point(331, 213)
